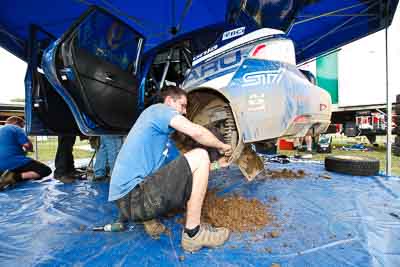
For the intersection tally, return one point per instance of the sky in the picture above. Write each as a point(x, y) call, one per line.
point(12, 74)
point(362, 69)
point(362, 65)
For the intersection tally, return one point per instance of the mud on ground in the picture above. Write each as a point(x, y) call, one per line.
point(282, 174)
point(235, 213)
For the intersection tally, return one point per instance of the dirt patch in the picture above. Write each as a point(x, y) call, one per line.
point(282, 174)
point(236, 213)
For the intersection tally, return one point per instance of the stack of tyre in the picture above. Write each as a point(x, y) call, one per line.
point(396, 145)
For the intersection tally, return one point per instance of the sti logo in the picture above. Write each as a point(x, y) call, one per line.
point(262, 77)
point(233, 33)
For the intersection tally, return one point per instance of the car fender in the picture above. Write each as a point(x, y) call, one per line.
point(268, 96)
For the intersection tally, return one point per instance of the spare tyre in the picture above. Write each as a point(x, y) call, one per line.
point(353, 165)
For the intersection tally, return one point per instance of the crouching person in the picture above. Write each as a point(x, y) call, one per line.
point(107, 151)
point(14, 165)
point(148, 181)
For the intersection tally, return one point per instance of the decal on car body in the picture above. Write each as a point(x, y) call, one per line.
point(262, 77)
point(233, 33)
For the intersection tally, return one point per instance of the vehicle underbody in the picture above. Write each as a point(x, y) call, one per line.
point(206, 107)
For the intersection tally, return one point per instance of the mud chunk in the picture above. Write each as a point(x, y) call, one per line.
point(275, 265)
point(284, 173)
point(168, 232)
point(273, 199)
point(274, 234)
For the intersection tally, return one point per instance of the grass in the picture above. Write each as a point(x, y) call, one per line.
point(378, 152)
point(46, 149)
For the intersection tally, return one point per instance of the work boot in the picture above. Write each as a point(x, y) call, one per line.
point(154, 228)
point(207, 236)
point(8, 178)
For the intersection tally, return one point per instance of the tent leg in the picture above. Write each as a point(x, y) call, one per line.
point(388, 107)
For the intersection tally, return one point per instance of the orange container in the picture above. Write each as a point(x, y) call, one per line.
point(285, 145)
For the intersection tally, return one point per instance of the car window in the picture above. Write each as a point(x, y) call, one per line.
point(104, 37)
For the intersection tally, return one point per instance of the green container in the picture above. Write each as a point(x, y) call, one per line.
point(327, 75)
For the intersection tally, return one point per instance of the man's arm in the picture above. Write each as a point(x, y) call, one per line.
point(23, 139)
point(28, 147)
point(199, 133)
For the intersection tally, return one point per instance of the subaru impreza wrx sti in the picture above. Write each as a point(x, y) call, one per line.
point(242, 83)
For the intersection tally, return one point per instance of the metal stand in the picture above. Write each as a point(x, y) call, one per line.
point(388, 105)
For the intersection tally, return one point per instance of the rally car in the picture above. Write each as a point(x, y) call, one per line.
point(242, 82)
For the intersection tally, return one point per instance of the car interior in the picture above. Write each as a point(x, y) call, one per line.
point(47, 105)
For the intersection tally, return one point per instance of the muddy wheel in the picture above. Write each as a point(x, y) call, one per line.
point(353, 165)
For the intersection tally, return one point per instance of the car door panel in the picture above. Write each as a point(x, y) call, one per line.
point(93, 66)
point(110, 92)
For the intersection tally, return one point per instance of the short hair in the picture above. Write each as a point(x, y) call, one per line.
point(15, 120)
point(173, 91)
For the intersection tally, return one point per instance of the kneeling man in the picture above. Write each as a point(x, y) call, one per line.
point(150, 178)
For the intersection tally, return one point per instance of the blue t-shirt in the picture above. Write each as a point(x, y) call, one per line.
point(12, 155)
point(146, 149)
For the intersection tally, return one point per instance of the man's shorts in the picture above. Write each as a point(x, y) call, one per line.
point(167, 189)
point(35, 166)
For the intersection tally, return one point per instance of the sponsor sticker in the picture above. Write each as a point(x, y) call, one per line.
point(233, 33)
point(256, 102)
point(209, 50)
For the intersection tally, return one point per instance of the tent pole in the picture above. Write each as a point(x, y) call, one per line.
point(388, 105)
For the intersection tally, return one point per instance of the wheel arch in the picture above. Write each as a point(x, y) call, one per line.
point(209, 93)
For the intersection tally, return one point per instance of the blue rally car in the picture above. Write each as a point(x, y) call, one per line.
point(242, 82)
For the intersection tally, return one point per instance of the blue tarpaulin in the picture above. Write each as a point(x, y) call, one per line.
point(342, 221)
point(316, 26)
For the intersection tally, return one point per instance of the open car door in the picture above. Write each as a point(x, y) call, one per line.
point(93, 67)
point(46, 113)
